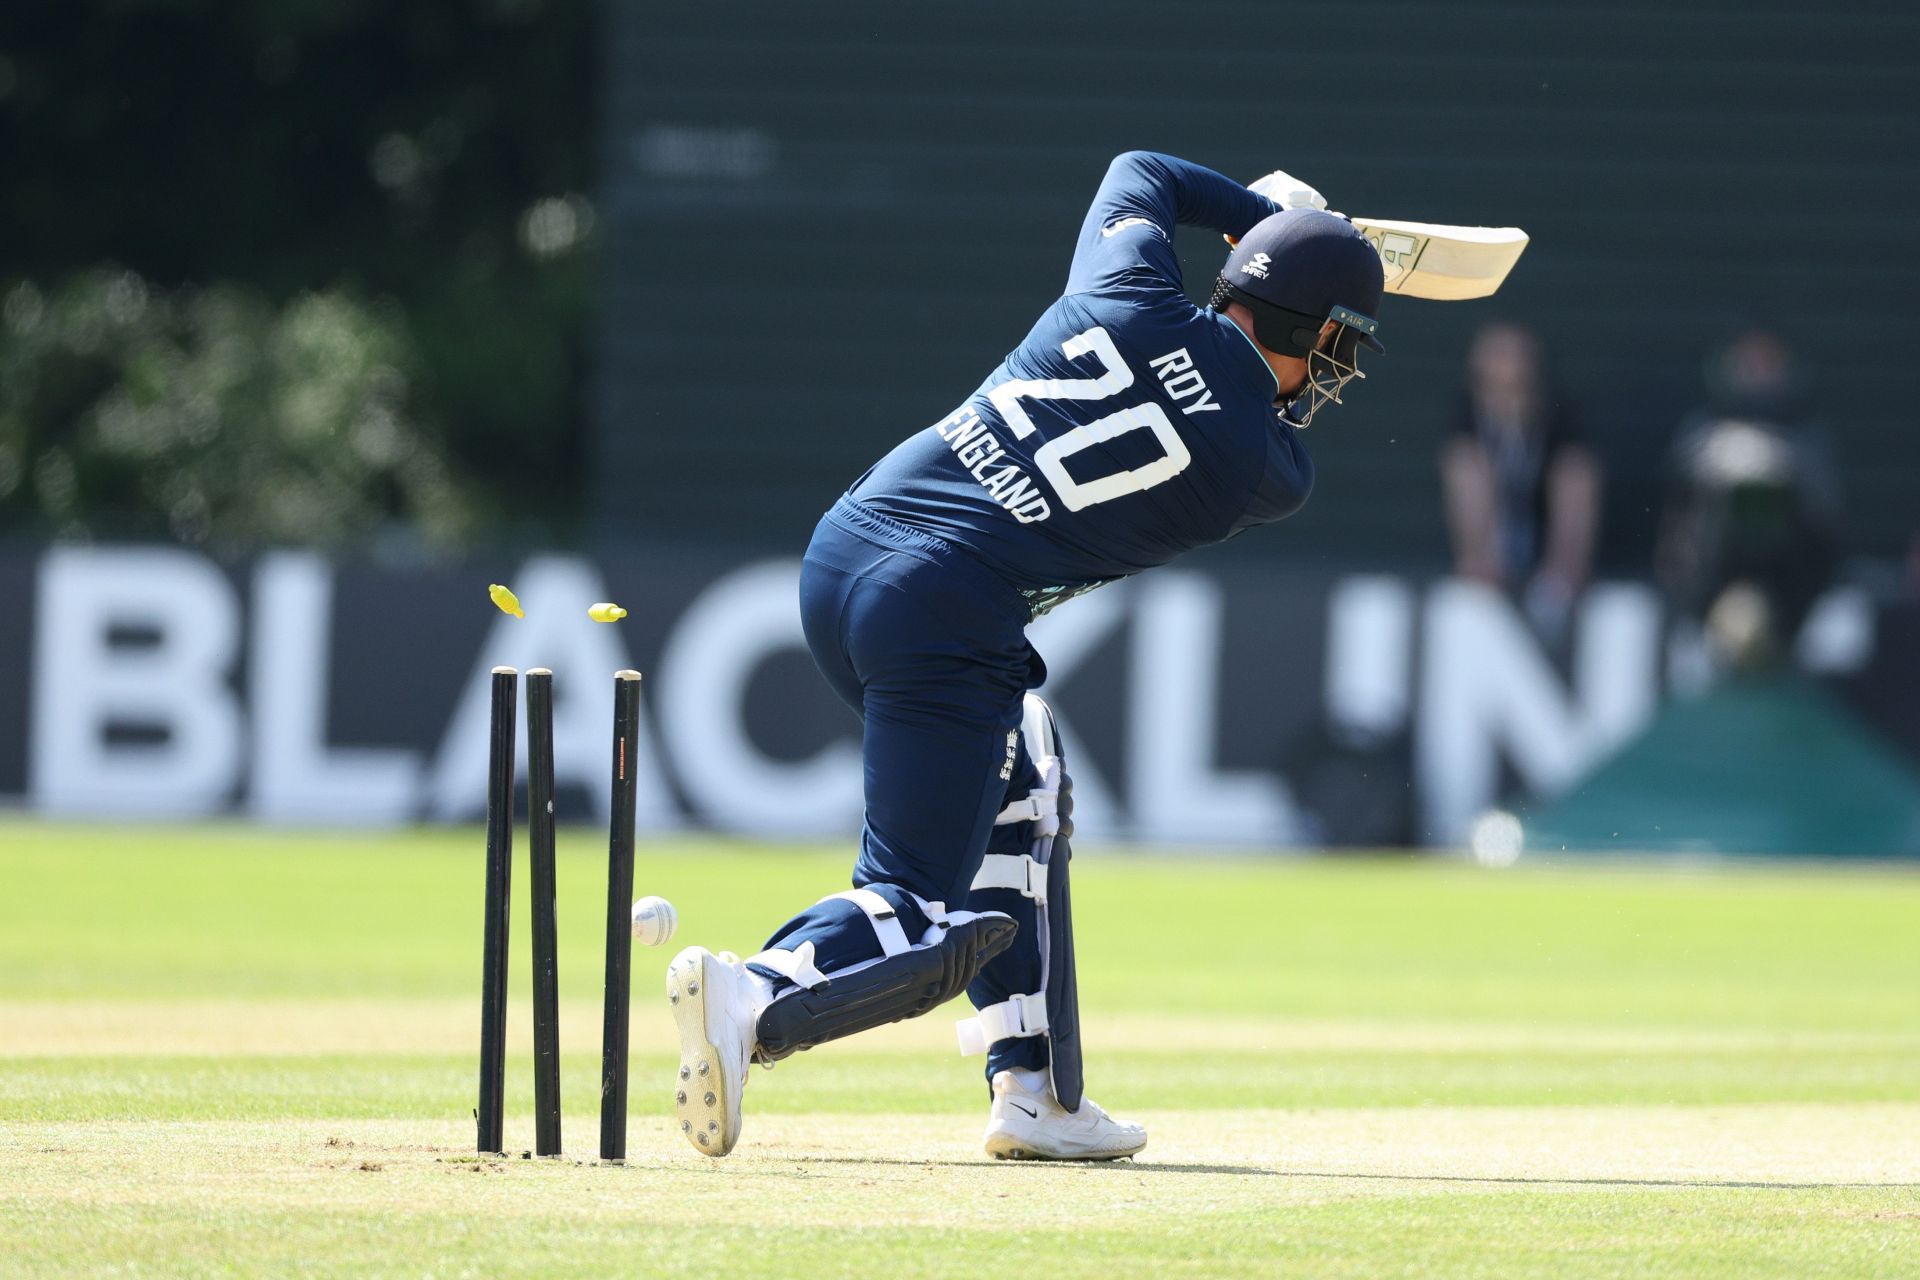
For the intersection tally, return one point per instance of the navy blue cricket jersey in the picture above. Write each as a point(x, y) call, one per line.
point(1129, 426)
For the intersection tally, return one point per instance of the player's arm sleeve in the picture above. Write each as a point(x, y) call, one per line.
point(1129, 228)
point(1286, 480)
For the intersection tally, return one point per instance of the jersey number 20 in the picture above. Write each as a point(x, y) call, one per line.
point(1052, 456)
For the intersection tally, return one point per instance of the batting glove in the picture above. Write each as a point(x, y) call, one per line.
point(1286, 191)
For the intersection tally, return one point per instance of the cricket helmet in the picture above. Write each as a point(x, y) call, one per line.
point(1295, 271)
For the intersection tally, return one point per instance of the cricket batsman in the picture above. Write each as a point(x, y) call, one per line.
point(1129, 426)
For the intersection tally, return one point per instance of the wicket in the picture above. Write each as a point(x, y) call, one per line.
point(613, 1024)
point(546, 973)
point(490, 1114)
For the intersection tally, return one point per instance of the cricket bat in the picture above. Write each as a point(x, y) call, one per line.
point(1431, 260)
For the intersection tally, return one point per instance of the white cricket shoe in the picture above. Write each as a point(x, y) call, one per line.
point(715, 1002)
point(1028, 1124)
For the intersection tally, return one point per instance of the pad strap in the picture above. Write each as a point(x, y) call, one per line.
point(879, 912)
point(796, 966)
point(1014, 871)
point(1014, 1017)
point(886, 922)
point(1040, 806)
point(1032, 807)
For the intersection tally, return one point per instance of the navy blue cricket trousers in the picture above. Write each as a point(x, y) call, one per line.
point(929, 648)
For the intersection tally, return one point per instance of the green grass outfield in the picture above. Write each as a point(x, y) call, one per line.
point(231, 1051)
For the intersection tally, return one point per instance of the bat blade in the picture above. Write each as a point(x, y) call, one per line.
point(1433, 260)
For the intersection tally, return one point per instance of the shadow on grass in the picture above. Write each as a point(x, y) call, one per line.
point(1607, 1182)
point(1090, 1165)
point(1254, 1171)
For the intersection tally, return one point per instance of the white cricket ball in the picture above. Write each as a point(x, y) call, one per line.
point(654, 921)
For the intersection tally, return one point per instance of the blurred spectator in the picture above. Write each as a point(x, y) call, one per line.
point(1522, 488)
point(1748, 538)
point(1753, 377)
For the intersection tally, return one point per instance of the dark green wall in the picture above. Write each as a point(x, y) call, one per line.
point(826, 223)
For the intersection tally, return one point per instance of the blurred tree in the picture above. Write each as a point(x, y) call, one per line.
point(433, 153)
point(216, 418)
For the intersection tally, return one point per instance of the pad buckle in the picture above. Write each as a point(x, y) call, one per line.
point(1019, 872)
point(1015, 1017)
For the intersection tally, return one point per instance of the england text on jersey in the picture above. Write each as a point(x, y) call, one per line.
point(986, 461)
